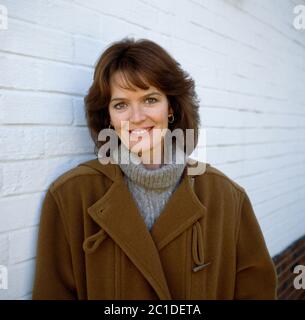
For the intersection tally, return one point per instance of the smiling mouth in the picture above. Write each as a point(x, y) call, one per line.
point(140, 130)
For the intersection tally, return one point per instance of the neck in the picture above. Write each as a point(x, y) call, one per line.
point(151, 159)
point(160, 178)
point(152, 166)
point(174, 156)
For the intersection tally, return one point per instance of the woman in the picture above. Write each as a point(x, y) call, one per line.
point(117, 229)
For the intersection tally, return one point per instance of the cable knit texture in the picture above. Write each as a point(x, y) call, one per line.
point(151, 188)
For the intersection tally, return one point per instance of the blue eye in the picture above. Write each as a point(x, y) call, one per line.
point(151, 100)
point(119, 106)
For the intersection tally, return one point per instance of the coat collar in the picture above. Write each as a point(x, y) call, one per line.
point(127, 227)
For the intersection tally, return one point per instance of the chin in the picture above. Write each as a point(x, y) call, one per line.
point(144, 148)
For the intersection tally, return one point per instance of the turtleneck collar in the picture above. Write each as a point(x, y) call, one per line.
point(160, 178)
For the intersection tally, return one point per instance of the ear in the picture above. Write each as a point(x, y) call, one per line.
point(170, 110)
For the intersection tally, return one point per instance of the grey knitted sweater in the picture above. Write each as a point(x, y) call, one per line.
point(151, 188)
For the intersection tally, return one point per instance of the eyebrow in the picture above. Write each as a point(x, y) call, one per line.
point(146, 95)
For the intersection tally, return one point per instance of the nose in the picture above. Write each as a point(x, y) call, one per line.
point(137, 114)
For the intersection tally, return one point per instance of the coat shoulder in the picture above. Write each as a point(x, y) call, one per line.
point(78, 174)
point(220, 177)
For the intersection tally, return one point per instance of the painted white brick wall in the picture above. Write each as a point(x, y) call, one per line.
point(248, 62)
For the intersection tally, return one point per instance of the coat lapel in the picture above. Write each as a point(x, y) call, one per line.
point(116, 212)
point(180, 212)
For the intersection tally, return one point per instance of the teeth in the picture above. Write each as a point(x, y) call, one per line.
point(139, 131)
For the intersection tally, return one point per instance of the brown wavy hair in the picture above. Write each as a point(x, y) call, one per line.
point(142, 63)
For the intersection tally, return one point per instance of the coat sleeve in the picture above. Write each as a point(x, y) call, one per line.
point(255, 276)
point(53, 278)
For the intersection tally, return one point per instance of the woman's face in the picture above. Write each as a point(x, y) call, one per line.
point(137, 114)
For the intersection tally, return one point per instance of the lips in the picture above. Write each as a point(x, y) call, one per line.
point(140, 130)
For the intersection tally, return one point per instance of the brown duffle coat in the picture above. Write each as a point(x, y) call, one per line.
point(93, 242)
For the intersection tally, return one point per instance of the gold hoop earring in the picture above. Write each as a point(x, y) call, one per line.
point(172, 119)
